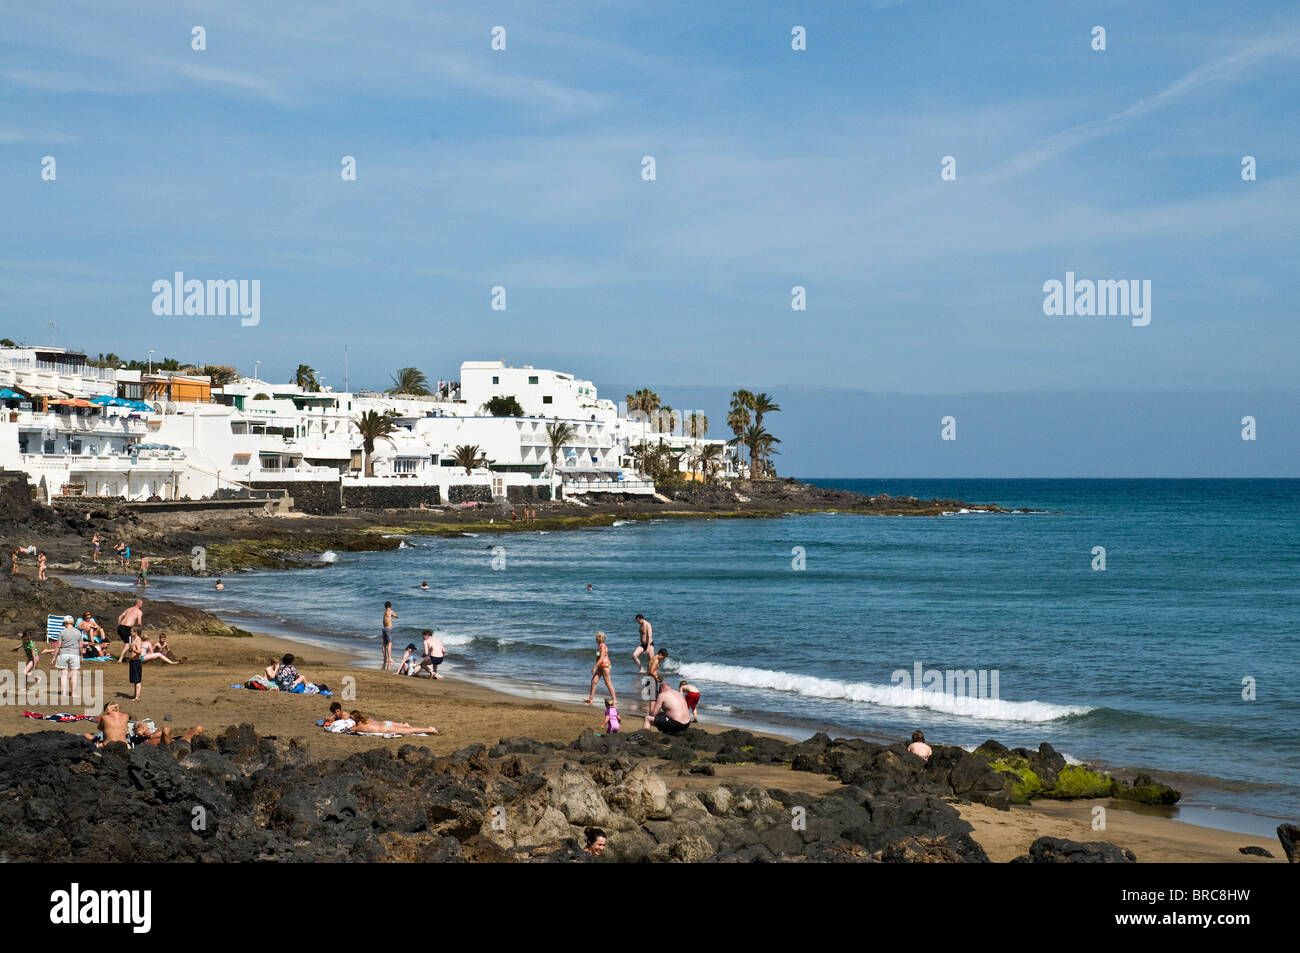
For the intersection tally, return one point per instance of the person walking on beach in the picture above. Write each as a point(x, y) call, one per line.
point(601, 670)
point(28, 647)
point(647, 638)
point(142, 577)
point(389, 616)
point(94, 543)
point(40, 567)
point(130, 618)
point(918, 746)
point(67, 658)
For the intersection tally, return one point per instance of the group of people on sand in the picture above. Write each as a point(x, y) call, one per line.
point(354, 722)
point(116, 725)
point(85, 639)
point(671, 710)
point(529, 515)
point(42, 561)
point(415, 661)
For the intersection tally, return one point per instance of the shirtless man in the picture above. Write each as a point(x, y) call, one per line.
point(918, 746)
point(389, 616)
point(434, 653)
point(90, 629)
point(133, 616)
point(368, 725)
point(655, 661)
point(113, 724)
point(669, 712)
point(142, 577)
point(647, 645)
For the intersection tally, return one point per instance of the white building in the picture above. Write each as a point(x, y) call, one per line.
point(78, 429)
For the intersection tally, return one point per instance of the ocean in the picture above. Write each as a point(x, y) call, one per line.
point(1178, 658)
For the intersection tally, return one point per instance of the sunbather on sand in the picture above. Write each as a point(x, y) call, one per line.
point(367, 725)
point(156, 650)
point(113, 724)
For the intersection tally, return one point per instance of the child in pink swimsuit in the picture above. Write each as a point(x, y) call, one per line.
point(611, 718)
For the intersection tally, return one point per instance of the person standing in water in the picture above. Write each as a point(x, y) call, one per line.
point(646, 635)
point(389, 616)
point(601, 670)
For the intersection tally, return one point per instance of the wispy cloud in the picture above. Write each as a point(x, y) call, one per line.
point(1220, 73)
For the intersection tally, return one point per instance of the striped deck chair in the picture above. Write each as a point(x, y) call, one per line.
point(53, 626)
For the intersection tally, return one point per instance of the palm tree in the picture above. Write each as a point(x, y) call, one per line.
point(710, 460)
point(410, 380)
point(697, 425)
point(738, 419)
point(373, 426)
point(695, 457)
point(559, 434)
point(759, 442)
point(221, 374)
point(305, 377)
point(664, 420)
point(762, 404)
point(470, 456)
point(646, 402)
point(503, 407)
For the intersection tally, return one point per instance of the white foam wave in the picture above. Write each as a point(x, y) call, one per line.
point(622, 522)
point(886, 696)
point(453, 638)
point(329, 556)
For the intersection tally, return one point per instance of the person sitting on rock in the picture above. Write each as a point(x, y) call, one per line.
point(918, 746)
point(669, 712)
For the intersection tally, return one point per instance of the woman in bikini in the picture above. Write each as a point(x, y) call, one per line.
point(150, 652)
point(601, 670)
point(367, 725)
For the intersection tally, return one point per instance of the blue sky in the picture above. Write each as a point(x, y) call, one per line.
point(775, 168)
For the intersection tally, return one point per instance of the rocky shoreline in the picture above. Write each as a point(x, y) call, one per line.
point(242, 797)
point(255, 539)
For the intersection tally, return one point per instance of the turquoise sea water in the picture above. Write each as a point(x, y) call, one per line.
point(1140, 665)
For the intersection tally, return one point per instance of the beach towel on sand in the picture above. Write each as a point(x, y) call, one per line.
point(386, 734)
point(61, 716)
point(261, 683)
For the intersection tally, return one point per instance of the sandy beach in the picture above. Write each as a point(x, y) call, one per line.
point(200, 692)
